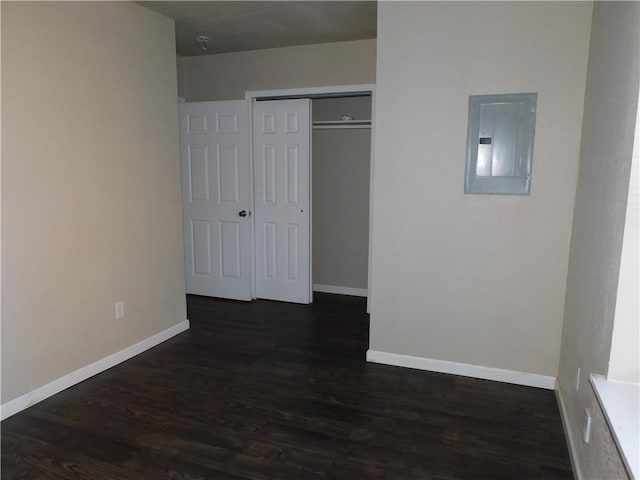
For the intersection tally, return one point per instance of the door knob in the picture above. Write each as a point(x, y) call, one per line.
point(243, 213)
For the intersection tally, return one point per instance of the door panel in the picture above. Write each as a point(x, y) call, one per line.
point(281, 139)
point(291, 172)
point(270, 250)
point(201, 236)
point(228, 171)
point(293, 252)
point(214, 150)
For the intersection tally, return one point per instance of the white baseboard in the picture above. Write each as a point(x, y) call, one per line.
point(573, 456)
point(464, 369)
point(45, 391)
point(355, 292)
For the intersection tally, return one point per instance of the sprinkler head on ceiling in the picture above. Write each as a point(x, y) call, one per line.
point(203, 40)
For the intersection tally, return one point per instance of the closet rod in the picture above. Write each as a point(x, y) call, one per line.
point(337, 124)
point(340, 127)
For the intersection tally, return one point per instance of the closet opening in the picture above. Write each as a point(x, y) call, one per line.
point(342, 133)
point(340, 179)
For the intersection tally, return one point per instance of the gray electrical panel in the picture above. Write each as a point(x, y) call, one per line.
point(500, 143)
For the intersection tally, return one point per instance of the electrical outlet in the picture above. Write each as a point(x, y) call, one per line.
point(119, 310)
point(586, 428)
point(578, 380)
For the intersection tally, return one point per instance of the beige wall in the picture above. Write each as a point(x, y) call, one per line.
point(90, 185)
point(598, 224)
point(341, 195)
point(180, 75)
point(228, 76)
point(477, 279)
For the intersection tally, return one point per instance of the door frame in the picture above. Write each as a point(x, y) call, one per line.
point(317, 92)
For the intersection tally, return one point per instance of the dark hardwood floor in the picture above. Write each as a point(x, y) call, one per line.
point(268, 390)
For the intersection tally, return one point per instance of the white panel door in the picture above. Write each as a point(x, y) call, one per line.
point(216, 191)
point(281, 153)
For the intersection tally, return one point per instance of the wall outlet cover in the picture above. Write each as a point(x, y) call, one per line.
point(119, 310)
point(586, 429)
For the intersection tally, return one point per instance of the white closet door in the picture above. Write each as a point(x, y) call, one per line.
point(216, 181)
point(281, 152)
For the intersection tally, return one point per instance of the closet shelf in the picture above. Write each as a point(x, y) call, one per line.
point(336, 124)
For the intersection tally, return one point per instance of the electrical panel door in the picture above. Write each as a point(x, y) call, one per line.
point(500, 143)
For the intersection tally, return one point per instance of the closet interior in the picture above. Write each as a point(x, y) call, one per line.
point(341, 153)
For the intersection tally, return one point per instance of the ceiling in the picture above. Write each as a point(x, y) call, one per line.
point(251, 25)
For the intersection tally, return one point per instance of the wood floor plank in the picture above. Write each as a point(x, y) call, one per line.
point(268, 390)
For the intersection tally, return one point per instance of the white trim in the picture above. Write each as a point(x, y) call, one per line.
point(252, 205)
point(311, 91)
point(310, 201)
point(573, 453)
point(619, 403)
point(45, 391)
point(371, 185)
point(463, 369)
point(356, 292)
